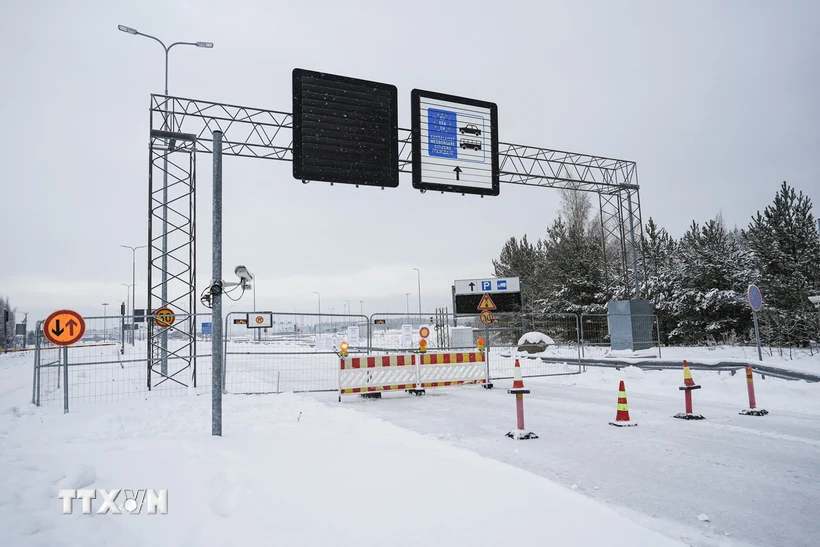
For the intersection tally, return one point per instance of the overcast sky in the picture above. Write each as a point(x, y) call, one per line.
point(717, 102)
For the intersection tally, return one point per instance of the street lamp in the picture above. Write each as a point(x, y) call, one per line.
point(133, 283)
point(347, 318)
point(319, 296)
point(105, 315)
point(361, 307)
point(407, 299)
point(167, 50)
point(419, 278)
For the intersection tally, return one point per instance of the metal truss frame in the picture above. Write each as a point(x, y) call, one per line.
point(172, 265)
point(267, 134)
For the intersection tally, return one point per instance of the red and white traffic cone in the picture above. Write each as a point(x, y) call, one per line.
point(687, 387)
point(750, 385)
point(622, 415)
point(519, 390)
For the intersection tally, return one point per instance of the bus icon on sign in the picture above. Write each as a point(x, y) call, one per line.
point(469, 143)
point(502, 284)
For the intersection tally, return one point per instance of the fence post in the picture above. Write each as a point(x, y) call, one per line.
point(578, 335)
point(581, 344)
point(658, 332)
point(36, 365)
point(487, 350)
point(224, 353)
point(65, 379)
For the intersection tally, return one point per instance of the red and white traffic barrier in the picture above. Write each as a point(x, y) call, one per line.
point(373, 374)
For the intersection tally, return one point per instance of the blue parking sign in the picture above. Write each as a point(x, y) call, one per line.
point(486, 285)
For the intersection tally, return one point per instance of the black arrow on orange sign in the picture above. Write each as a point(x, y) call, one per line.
point(58, 331)
point(71, 324)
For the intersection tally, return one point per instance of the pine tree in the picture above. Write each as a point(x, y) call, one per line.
point(786, 246)
point(661, 277)
point(523, 260)
point(715, 270)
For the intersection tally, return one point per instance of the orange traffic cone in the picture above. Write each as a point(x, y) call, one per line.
point(518, 380)
point(687, 375)
point(622, 416)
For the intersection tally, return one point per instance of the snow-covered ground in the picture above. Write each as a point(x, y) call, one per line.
point(307, 470)
point(757, 478)
point(289, 470)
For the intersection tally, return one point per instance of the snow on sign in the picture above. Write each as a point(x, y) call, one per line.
point(455, 144)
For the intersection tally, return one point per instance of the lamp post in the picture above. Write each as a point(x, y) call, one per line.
point(418, 273)
point(348, 313)
point(361, 307)
point(167, 50)
point(407, 299)
point(105, 316)
point(133, 282)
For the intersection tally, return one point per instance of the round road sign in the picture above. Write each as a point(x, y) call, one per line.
point(755, 298)
point(259, 319)
point(424, 332)
point(486, 317)
point(164, 317)
point(64, 327)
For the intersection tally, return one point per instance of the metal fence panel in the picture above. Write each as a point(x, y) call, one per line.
point(596, 341)
point(298, 353)
point(106, 366)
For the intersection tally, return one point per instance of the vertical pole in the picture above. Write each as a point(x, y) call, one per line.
point(688, 397)
point(225, 353)
point(164, 335)
point(455, 311)
point(38, 358)
point(519, 410)
point(634, 244)
point(581, 336)
point(757, 337)
point(122, 327)
point(216, 337)
point(750, 385)
point(487, 350)
point(65, 379)
point(133, 293)
point(658, 332)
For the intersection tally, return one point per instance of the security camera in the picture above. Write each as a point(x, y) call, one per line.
point(244, 275)
point(815, 300)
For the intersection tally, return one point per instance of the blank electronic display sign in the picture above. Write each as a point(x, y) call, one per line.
point(345, 130)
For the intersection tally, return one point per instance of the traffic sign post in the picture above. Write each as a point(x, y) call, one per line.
point(504, 294)
point(64, 328)
point(164, 317)
point(756, 302)
point(455, 144)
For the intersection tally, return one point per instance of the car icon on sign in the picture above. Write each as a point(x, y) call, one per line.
point(470, 128)
point(469, 143)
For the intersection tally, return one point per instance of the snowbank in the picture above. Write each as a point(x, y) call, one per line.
point(536, 338)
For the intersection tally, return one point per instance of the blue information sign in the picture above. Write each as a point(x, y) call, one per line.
point(207, 328)
point(441, 133)
point(755, 298)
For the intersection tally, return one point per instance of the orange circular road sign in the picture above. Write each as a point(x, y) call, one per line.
point(424, 332)
point(164, 317)
point(486, 317)
point(64, 327)
point(259, 319)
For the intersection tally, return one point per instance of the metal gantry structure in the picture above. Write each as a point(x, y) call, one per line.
point(181, 127)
